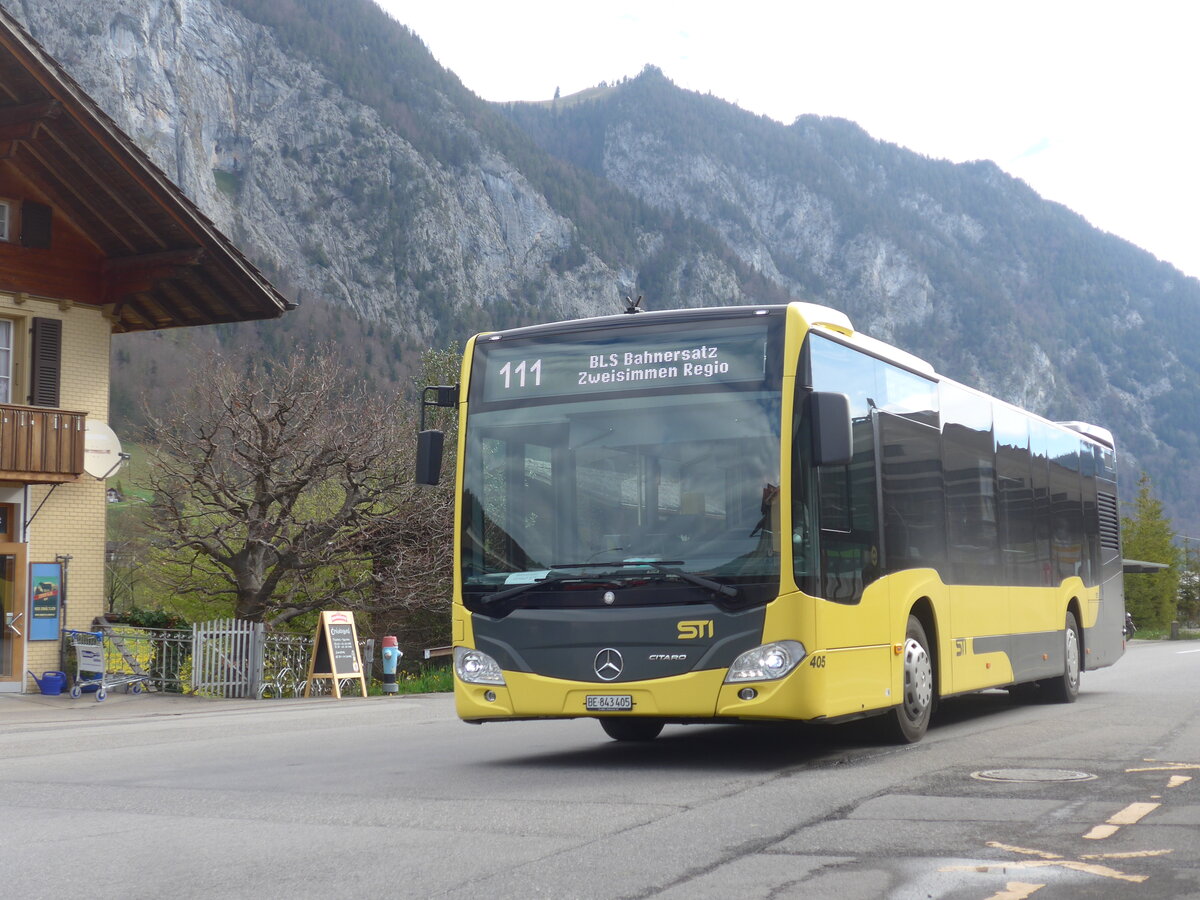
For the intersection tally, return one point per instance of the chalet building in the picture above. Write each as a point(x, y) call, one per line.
point(94, 241)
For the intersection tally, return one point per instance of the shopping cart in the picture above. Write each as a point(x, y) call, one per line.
point(90, 667)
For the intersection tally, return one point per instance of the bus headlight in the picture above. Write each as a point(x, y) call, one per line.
point(766, 663)
point(476, 667)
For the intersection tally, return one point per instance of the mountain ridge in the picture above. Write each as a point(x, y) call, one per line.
point(403, 211)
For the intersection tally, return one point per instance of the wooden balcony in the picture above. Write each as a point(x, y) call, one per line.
point(39, 445)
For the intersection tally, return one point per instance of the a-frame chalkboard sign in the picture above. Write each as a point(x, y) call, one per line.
point(335, 653)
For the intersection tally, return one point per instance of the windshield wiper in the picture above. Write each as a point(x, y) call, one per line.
point(551, 578)
point(662, 566)
point(556, 575)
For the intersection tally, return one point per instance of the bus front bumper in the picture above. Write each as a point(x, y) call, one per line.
point(696, 695)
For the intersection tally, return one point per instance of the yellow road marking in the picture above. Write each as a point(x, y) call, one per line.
point(1024, 851)
point(1133, 854)
point(1130, 815)
point(1133, 813)
point(1103, 871)
point(1016, 890)
point(1089, 868)
point(1165, 767)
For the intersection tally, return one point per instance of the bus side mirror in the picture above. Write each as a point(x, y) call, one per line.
point(431, 441)
point(833, 441)
point(429, 456)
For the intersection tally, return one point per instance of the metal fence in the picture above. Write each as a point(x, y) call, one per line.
point(223, 658)
point(162, 655)
point(227, 658)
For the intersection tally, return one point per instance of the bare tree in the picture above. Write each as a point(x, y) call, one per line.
point(412, 561)
point(412, 552)
point(272, 485)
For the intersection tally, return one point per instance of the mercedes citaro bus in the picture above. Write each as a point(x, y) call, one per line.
point(757, 513)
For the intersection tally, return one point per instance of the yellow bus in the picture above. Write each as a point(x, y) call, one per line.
point(758, 513)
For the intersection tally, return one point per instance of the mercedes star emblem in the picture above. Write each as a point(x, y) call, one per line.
point(609, 664)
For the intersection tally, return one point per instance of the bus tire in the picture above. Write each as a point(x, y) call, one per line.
point(1064, 688)
point(631, 729)
point(907, 723)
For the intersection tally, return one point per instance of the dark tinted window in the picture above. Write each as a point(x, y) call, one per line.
point(1067, 549)
point(1014, 492)
point(996, 496)
point(1039, 451)
point(849, 546)
point(968, 460)
point(913, 508)
point(848, 498)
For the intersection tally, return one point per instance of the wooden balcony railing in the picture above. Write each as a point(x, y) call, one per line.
point(40, 445)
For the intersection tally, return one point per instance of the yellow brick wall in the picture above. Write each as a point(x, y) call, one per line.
point(72, 521)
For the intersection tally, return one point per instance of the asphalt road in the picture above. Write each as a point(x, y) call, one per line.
point(181, 797)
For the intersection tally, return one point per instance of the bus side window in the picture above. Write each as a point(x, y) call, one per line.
point(1014, 489)
point(849, 530)
point(914, 504)
point(969, 467)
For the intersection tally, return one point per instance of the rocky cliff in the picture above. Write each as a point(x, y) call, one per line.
point(365, 179)
point(326, 198)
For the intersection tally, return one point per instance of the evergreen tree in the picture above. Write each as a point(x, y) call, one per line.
point(1189, 585)
point(1153, 598)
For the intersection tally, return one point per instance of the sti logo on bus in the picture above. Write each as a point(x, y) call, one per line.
point(695, 628)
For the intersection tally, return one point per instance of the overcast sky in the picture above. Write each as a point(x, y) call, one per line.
point(1094, 104)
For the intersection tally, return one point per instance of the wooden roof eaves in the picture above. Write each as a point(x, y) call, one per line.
point(129, 315)
point(28, 113)
point(124, 275)
point(62, 194)
point(112, 193)
point(187, 300)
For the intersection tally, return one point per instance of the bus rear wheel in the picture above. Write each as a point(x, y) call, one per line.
point(908, 722)
point(631, 729)
point(1064, 688)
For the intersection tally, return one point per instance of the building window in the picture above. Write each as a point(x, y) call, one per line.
point(6, 360)
point(5, 219)
point(36, 221)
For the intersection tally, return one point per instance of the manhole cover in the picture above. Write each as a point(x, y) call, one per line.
point(1031, 775)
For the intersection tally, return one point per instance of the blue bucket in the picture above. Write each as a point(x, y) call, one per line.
point(51, 683)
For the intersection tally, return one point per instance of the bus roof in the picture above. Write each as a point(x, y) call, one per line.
point(825, 318)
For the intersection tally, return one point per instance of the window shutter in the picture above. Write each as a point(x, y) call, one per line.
point(35, 224)
point(46, 358)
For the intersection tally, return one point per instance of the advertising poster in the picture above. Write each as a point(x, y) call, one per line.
point(45, 601)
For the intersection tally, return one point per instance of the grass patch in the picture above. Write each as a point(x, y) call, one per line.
point(430, 680)
point(591, 93)
point(131, 477)
point(1163, 634)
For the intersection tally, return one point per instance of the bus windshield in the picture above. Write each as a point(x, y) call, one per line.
point(677, 479)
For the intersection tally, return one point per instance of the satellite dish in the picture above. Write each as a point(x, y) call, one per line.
point(102, 454)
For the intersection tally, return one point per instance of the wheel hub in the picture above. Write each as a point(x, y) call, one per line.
point(918, 680)
point(1073, 658)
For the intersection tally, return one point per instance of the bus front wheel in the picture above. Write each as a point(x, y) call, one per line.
point(1064, 688)
point(908, 722)
point(631, 729)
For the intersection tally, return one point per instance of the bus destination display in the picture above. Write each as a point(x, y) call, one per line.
point(608, 362)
